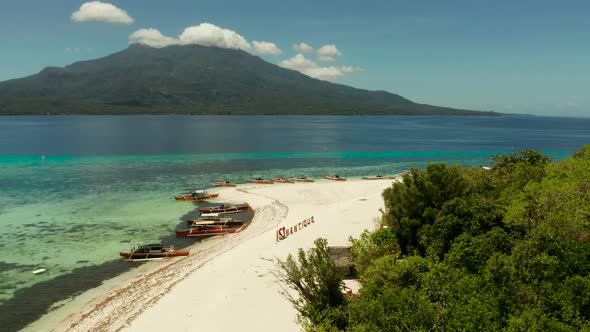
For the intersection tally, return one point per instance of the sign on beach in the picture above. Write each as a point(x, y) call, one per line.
point(284, 232)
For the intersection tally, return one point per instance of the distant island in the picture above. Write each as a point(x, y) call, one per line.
point(194, 79)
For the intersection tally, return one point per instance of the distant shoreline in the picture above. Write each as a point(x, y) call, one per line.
point(484, 114)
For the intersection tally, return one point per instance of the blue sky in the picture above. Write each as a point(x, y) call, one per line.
point(509, 56)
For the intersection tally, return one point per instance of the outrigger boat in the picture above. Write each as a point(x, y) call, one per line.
point(260, 180)
point(281, 179)
point(214, 221)
point(225, 208)
point(206, 230)
point(224, 183)
point(303, 179)
point(378, 177)
point(151, 250)
point(197, 195)
point(334, 177)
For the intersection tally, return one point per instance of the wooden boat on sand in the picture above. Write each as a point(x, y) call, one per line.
point(260, 180)
point(281, 179)
point(214, 221)
point(207, 230)
point(378, 177)
point(150, 250)
point(225, 208)
point(303, 179)
point(334, 177)
point(224, 183)
point(197, 195)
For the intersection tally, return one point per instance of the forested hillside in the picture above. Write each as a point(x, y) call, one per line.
point(194, 79)
point(506, 249)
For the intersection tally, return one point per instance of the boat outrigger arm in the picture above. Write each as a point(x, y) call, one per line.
point(145, 259)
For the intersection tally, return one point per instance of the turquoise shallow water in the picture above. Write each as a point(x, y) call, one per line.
point(75, 190)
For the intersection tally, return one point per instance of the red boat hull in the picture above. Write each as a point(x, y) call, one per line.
point(284, 181)
point(260, 181)
point(334, 178)
point(148, 255)
point(194, 232)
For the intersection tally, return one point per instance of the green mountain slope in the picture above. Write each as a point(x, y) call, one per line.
point(197, 80)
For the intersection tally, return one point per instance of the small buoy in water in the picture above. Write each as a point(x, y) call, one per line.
point(39, 271)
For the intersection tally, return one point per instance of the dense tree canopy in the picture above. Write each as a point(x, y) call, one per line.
point(505, 249)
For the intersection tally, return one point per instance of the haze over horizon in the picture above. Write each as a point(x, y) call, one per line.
point(511, 57)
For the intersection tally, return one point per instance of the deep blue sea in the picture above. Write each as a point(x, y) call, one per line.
point(75, 189)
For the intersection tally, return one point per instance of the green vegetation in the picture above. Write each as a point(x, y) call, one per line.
point(468, 249)
point(193, 79)
point(316, 280)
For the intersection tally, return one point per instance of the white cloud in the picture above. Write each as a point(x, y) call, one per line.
point(298, 62)
point(301, 64)
point(207, 34)
point(329, 50)
point(263, 47)
point(302, 48)
point(151, 37)
point(326, 58)
point(101, 12)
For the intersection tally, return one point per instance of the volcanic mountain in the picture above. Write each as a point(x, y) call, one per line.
point(193, 79)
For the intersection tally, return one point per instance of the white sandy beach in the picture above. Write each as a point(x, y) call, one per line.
point(226, 284)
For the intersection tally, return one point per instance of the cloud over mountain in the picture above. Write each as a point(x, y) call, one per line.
point(329, 50)
point(301, 64)
point(262, 47)
point(302, 48)
point(151, 37)
point(207, 34)
point(328, 53)
point(101, 12)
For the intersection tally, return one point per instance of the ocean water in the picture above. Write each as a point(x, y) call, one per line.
point(74, 190)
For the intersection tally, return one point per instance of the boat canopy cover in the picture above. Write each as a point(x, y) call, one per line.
point(146, 244)
point(211, 221)
point(204, 222)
